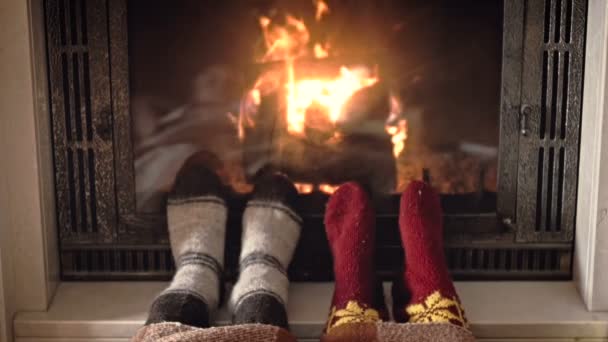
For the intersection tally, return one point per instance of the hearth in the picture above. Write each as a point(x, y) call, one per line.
point(480, 98)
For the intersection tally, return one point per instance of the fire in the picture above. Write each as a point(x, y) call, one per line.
point(328, 188)
point(312, 100)
point(308, 96)
point(329, 93)
point(322, 9)
point(398, 135)
point(320, 51)
point(308, 188)
point(304, 188)
point(284, 42)
point(396, 126)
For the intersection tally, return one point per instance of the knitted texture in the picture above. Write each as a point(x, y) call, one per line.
point(197, 229)
point(271, 230)
point(350, 229)
point(175, 332)
point(196, 219)
point(430, 290)
point(395, 332)
point(179, 306)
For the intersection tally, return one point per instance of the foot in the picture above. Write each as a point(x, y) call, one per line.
point(350, 229)
point(271, 230)
point(427, 293)
point(196, 219)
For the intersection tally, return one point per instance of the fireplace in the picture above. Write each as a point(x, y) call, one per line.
point(482, 100)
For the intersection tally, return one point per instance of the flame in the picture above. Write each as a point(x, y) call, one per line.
point(396, 126)
point(284, 42)
point(304, 188)
point(307, 96)
point(308, 188)
point(256, 97)
point(322, 9)
point(321, 52)
point(398, 135)
point(331, 94)
point(328, 188)
point(315, 101)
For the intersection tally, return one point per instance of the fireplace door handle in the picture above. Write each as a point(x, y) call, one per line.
point(104, 128)
point(524, 116)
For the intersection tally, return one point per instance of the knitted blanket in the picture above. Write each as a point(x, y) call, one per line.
point(398, 332)
point(176, 332)
point(357, 332)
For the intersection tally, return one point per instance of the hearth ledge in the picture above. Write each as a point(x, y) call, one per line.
point(113, 311)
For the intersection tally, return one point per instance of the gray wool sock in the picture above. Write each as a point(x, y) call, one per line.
point(197, 230)
point(271, 230)
point(196, 218)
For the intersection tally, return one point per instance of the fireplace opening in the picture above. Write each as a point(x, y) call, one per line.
point(378, 92)
point(480, 98)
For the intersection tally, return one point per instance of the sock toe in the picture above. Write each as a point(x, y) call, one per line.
point(350, 228)
point(426, 280)
point(196, 222)
point(271, 230)
point(197, 178)
point(419, 198)
point(276, 187)
point(347, 207)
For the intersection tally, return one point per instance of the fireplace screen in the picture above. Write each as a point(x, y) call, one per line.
point(379, 92)
point(480, 98)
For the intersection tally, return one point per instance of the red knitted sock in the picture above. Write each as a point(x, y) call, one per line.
point(350, 228)
point(431, 296)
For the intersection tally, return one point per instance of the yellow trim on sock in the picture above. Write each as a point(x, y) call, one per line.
point(437, 309)
point(352, 313)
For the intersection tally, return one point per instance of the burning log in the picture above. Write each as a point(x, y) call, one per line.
point(356, 147)
point(317, 117)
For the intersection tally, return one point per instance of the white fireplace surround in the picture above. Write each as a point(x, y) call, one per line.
point(35, 306)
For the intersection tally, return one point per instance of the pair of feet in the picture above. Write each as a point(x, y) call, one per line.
point(196, 218)
point(424, 293)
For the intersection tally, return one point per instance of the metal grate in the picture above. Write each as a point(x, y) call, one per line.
point(517, 261)
point(77, 110)
point(156, 262)
point(554, 105)
point(551, 182)
point(118, 262)
point(81, 185)
point(550, 119)
point(80, 119)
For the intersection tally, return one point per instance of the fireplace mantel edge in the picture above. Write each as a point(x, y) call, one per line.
point(496, 310)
